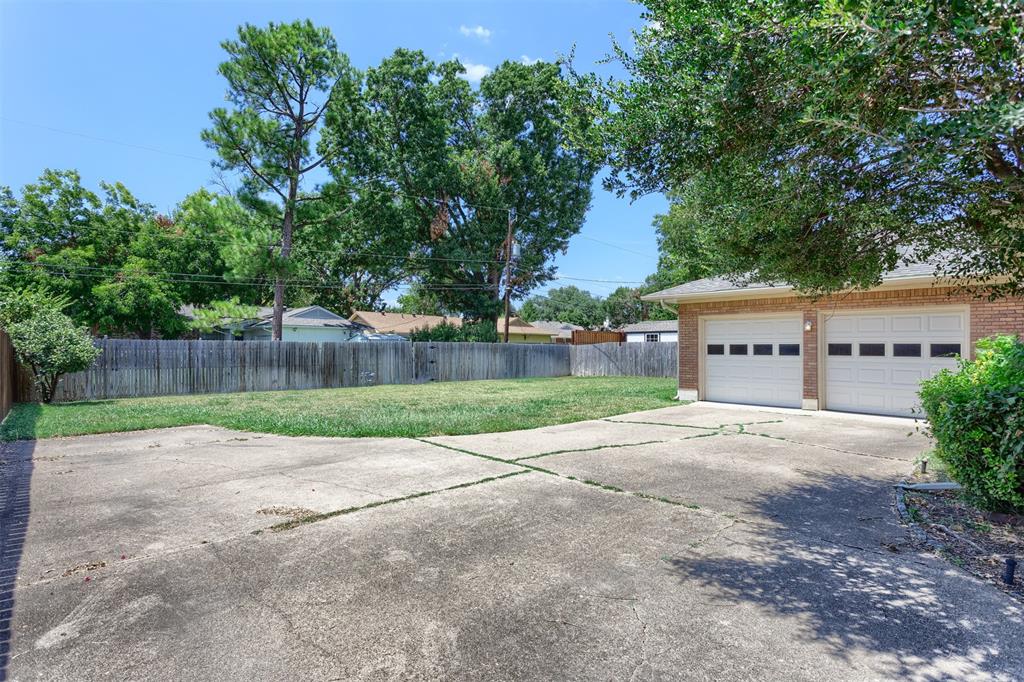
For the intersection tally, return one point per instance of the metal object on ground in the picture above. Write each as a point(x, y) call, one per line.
point(1008, 570)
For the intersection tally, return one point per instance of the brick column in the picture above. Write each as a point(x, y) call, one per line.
point(688, 352)
point(810, 353)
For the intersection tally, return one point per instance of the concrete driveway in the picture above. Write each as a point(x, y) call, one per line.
point(694, 542)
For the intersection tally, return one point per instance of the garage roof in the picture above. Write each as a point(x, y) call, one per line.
point(652, 326)
point(721, 287)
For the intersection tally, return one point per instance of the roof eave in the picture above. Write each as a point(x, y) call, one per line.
point(913, 282)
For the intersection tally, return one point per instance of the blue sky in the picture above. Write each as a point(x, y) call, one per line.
point(134, 82)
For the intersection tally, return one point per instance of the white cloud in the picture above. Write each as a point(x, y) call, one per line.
point(478, 32)
point(475, 72)
point(529, 61)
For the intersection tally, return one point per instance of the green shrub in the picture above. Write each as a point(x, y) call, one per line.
point(45, 340)
point(976, 415)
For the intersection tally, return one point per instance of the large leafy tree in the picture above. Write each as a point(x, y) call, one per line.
point(623, 306)
point(122, 268)
point(356, 245)
point(460, 161)
point(280, 80)
point(565, 304)
point(820, 143)
point(420, 301)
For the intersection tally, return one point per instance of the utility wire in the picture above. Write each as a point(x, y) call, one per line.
point(367, 254)
point(103, 139)
point(274, 245)
point(616, 246)
point(191, 278)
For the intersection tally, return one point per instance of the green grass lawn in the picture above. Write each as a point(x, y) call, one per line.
point(421, 410)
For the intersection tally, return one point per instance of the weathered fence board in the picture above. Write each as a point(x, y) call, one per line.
point(129, 368)
point(625, 359)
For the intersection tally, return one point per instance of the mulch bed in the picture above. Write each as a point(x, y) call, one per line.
point(970, 538)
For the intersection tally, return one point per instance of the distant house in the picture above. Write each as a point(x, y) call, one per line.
point(521, 331)
point(404, 324)
point(652, 331)
point(310, 323)
point(561, 332)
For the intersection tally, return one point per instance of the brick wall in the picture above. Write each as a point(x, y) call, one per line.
point(986, 318)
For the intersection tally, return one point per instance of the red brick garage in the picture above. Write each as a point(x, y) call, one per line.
point(858, 352)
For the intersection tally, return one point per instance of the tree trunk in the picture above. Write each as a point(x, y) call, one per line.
point(286, 251)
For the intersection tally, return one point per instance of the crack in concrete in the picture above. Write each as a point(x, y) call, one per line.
point(678, 426)
point(823, 447)
point(594, 484)
point(620, 445)
point(714, 535)
point(596, 447)
point(643, 645)
point(289, 525)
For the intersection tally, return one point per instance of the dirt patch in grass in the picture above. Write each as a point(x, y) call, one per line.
point(970, 538)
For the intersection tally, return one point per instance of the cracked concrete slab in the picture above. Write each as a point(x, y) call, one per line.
point(793, 566)
point(824, 491)
point(175, 490)
point(532, 577)
point(879, 436)
point(577, 436)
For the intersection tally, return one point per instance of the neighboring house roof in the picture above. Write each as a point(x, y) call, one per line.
point(400, 323)
point(721, 288)
point(517, 325)
point(560, 330)
point(405, 323)
point(308, 316)
point(651, 326)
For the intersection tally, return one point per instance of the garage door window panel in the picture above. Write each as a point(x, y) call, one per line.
point(872, 350)
point(737, 349)
point(789, 349)
point(945, 350)
point(906, 350)
point(840, 349)
point(762, 349)
point(716, 349)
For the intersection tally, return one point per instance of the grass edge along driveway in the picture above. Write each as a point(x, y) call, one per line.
point(402, 410)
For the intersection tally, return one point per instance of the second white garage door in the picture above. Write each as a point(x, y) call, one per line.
point(758, 361)
point(875, 362)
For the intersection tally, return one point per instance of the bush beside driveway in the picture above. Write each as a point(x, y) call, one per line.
point(704, 552)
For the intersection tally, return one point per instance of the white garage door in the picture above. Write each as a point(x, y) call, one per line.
point(755, 360)
point(874, 362)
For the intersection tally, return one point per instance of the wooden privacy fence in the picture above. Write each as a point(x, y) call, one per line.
point(8, 374)
point(625, 359)
point(130, 368)
point(584, 336)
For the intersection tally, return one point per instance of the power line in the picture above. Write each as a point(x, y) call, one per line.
point(616, 246)
point(368, 254)
point(274, 245)
point(103, 139)
point(191, 278)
